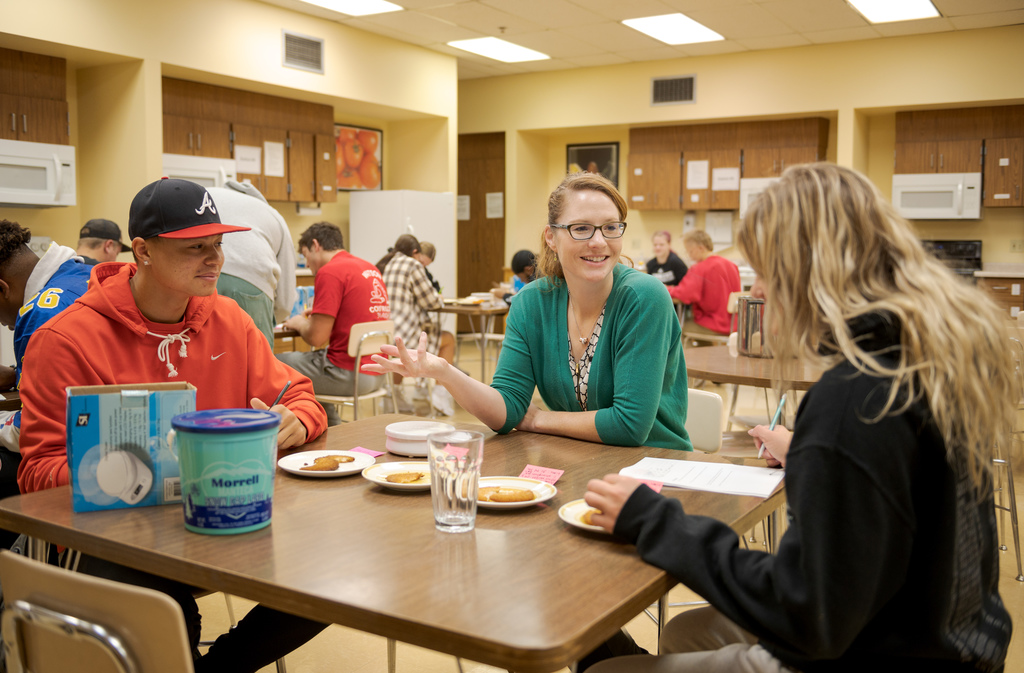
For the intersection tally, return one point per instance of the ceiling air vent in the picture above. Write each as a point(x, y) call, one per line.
point(302, 52)
point(672, 90)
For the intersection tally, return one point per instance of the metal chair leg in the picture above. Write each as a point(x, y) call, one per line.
point(392, 655)
point(1011, 506)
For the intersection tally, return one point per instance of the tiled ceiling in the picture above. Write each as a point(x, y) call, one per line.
point(583, 33)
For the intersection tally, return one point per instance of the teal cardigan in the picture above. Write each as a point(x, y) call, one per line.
point(638, 379)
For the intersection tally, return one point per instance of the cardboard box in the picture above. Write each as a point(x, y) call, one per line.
point(118, 451)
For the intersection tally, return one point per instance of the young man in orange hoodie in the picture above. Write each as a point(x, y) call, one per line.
point(160, 319)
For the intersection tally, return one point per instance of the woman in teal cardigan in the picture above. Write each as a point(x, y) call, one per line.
point(600, 341)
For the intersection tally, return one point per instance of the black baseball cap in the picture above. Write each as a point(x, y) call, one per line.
point(172, 208)
point(100, 228)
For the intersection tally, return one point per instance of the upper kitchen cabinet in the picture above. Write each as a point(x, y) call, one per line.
point(326, 172)
point(769, 162)
point(711, 180)
point(1004, 171)
point(714, 157)
point(194, 121)
point(293, 139)
point(33, 98)
point(946, 156)
point(654, 180)
point(986, 140)
point(195, 136)
point(770, 147)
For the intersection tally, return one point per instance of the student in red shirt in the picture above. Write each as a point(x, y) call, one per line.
point(707, 285)
point(346, 290)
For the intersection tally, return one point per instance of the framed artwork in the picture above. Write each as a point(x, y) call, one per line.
point(358, 153)
point(600, 158)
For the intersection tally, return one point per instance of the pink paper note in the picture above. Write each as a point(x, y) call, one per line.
point(369, 452)
point(457, 451)
point(653, 485)
point(548, 474)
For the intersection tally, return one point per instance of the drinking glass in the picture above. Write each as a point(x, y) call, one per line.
point(455, 458)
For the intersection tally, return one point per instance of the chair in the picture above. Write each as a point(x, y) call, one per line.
point(489, 338)
point(1002, 460)
point(365, 338)
point(704, 420)
point(721, 340)
point(58, 620)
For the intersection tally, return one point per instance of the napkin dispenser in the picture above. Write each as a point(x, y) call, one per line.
point(118, 453)
point(750, 327)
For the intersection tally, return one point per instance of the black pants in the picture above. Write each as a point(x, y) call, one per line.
point(262, 637)
point(619, 645)
point(9, 462)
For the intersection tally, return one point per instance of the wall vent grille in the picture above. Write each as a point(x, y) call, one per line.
point(303, 52)
point(672, 90)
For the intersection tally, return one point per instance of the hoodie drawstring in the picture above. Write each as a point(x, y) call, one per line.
point(162, 350)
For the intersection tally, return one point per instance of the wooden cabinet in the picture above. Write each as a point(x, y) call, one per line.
point(40, 120)
point(941, 156)
point(199, 137)
point(770, 162)
point(301, 167)
point(295, 138)
point(33, 98)
point(655, 180)
point(709, 198)
point(326, 170)
point(1004, 171)
point(1008, 293)
point(272, 180)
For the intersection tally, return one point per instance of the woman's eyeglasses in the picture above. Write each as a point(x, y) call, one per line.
point(583, 232)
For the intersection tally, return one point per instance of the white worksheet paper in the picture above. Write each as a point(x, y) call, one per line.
point(715, 477)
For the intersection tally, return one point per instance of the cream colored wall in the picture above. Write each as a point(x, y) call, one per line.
point(116, 106)
point(858, 85)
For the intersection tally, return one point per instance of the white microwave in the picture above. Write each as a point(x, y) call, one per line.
point(36, 174)
point(937, 196)
point(750, 189)
point(207, 171)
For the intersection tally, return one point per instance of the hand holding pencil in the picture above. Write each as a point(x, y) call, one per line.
point(773, 439)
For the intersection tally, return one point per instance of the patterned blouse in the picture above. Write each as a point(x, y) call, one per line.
point(581, 369)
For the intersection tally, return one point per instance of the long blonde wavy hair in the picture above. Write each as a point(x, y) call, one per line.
point(829, 248)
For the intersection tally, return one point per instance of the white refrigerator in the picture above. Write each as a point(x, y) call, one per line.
point(377, 218)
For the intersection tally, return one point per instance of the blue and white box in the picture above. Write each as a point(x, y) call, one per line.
point(118, 449)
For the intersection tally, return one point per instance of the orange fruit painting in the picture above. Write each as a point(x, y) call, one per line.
point(358, 157)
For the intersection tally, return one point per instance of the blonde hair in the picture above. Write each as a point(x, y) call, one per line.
point(829, 249)
point(547, 261)
point(699, 237)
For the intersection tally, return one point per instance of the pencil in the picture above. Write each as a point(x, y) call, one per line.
point(775, 421)
point(289, 385)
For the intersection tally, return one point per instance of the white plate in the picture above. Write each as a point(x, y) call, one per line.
point(543, 490)
point(378, 473)
point(294, 462)
point(571, 512)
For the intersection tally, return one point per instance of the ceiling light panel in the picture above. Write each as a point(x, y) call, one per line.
point(886, 11)
point(673, 29)
point(499, 50)
point(357, 7)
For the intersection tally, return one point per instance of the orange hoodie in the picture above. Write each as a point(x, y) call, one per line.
point(104, 339)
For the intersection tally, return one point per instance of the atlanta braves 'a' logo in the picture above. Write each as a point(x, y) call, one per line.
point(207, 203)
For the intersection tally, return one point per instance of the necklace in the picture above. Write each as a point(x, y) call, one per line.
point(582, 338)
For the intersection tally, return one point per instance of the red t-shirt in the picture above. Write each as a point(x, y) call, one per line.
point(351, 290)
point(706, 288)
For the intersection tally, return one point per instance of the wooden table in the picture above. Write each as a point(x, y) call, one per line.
point(475, 313)
point(713, 363)
point(523, 591)
point(10, 400)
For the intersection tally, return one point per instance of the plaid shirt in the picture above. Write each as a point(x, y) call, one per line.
point(412, 298)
